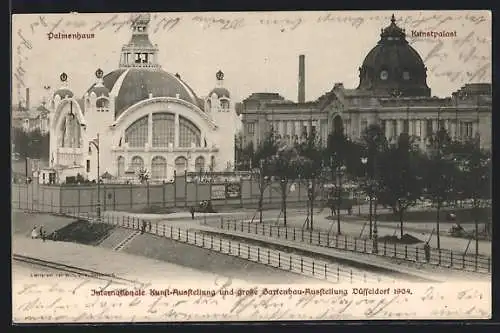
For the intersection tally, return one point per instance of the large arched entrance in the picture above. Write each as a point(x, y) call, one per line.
point(338, 127)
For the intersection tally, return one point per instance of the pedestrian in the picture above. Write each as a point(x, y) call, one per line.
point(149, 226)
point(34, 233)
point(40, 232)
point(43, 234)
point(143, 228)
point(427, 252)
point(192, 212)
point(54, 236)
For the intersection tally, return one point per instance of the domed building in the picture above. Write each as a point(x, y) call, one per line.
point(394, 64)
point(392, 92)
point(140, 117)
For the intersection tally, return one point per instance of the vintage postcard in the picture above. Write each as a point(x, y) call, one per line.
point(251, 166)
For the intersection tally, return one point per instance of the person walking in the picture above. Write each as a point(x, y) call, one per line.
point(427, 252)
point(34, 233)
point(192, 212)
point(149, 226)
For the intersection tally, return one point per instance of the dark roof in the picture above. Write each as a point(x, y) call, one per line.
point(63, 92)
point(265, 96)
point(99, 91)
point(394, 55)
point(140, 41)
point(220, 92)
point(139, 83)
point(42, 108)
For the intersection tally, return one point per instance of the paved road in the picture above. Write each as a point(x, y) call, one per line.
point(420, 230)
point(349, 225)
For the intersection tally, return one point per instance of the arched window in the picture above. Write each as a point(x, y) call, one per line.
point(159, 168)
point(102, 103)
point(188, 133)
point(137, 163)
point(199, 164)
point(163, 129)
point(121, 166)
point(180, 165)
point(70, 132)
point(137, 134)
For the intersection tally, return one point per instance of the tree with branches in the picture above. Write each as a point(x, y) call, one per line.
point(440, 174)
point(401, 179)
point(375, 142)
point(262, 159)
point(284, 167)
point(474, 177)
point(310, 167)
point(143, 175)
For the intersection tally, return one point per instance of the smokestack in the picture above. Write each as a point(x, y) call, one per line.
point(302, 79)
point(27, 98)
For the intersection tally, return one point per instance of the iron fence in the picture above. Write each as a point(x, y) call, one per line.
point(309, 267)
point(439, 257)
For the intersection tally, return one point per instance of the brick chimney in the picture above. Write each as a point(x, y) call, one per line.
point(302, 79)
point(27, 98)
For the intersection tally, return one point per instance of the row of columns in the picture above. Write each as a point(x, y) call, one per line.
point(128, 58)
point(419, 127)
point(295, 127)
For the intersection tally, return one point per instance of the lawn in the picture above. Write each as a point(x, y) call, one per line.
point(178, 253)
point(464, 215)
point(84, 232)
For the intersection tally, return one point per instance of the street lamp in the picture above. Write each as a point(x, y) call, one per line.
point(364, 160)
point(95, 142)
point(373, 221)
point(340, 171)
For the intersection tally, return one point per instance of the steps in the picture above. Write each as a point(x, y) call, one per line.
point(127, 240)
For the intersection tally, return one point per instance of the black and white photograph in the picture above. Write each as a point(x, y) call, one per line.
point(251, 166)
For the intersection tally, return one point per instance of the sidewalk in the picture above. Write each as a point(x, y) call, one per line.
point(174, 216)
point(354, 227)
point(421, 271)
point(108, 262)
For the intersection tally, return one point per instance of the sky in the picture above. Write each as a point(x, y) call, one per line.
point(257, 51)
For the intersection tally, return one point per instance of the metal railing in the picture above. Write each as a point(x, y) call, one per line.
point(317, 269)
point(439, 257)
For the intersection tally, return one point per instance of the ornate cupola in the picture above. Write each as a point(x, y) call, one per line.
point(219, 98)
point(140, 52)
point(99, 89)
point(219, 89)
point(63, 91)
point(394, 65)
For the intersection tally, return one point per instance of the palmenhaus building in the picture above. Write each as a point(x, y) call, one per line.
point(392, 92)
point(139, 116)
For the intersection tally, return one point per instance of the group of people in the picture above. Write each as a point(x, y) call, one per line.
point(145, 225)
point(41, 233)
